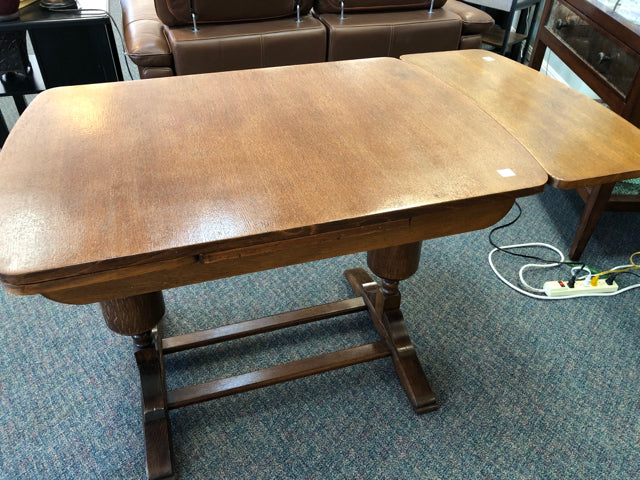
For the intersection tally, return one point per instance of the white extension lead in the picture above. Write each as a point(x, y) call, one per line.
point(532, 291)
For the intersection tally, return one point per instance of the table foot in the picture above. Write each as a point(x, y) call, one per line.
point(383, 303)
point(155, 414)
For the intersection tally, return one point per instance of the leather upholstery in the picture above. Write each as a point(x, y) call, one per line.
point(470, 41)
point(216, 48)
point(356, 6)
point(178, 12)
point(144, 36)
point(225, 40)
point(394, 33)
point(474, 21)
point(156, 72)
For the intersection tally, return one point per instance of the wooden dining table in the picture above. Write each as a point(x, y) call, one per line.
point(147, 185)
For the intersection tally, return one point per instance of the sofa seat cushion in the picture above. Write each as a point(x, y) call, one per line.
point(237, 46)
point(474, 20)
point(365, 35)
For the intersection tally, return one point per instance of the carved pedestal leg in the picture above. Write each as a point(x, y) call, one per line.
point(137, 316)
point(392, 265)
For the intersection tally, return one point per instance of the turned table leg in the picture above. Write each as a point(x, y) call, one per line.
point(393, 265)
point(138, 317)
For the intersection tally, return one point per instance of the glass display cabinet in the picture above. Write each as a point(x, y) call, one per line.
point(600, 42)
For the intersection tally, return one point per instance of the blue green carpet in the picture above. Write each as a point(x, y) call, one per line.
point(627, 187)
point(528, 389)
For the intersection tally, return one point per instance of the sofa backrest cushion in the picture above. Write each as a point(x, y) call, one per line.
point(354, 6)
point(178, 12)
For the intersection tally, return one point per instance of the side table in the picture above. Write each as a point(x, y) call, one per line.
point(503, 39)
point(17, 87)
point(71, 47)
point(603, 48)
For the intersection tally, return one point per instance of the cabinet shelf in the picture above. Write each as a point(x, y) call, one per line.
point(495, 37)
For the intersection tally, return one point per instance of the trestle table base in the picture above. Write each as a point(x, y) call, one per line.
point(382, 302)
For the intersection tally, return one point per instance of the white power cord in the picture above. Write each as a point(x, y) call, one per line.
point(548, 265)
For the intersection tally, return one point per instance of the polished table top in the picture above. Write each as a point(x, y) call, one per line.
point(578, 141)
point(241, 171)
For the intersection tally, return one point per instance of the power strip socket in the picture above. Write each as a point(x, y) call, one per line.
point(561, 289)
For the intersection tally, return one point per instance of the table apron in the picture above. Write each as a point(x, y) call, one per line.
point(133, 280)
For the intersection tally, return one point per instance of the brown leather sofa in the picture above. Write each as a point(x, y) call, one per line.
point(180, 37)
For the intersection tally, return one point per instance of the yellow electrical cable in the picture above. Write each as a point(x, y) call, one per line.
point(594, 279)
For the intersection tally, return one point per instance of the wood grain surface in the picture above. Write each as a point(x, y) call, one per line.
point(184, 174)
point(578, 141)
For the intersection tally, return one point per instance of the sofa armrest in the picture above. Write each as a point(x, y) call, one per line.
point(144, 39)
point(474, 20)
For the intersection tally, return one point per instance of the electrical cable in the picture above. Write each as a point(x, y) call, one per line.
point(115, 25)
point(544, 297)
point(536, 265)
point(532, 257)
point(575, 270)
point(633, 266)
